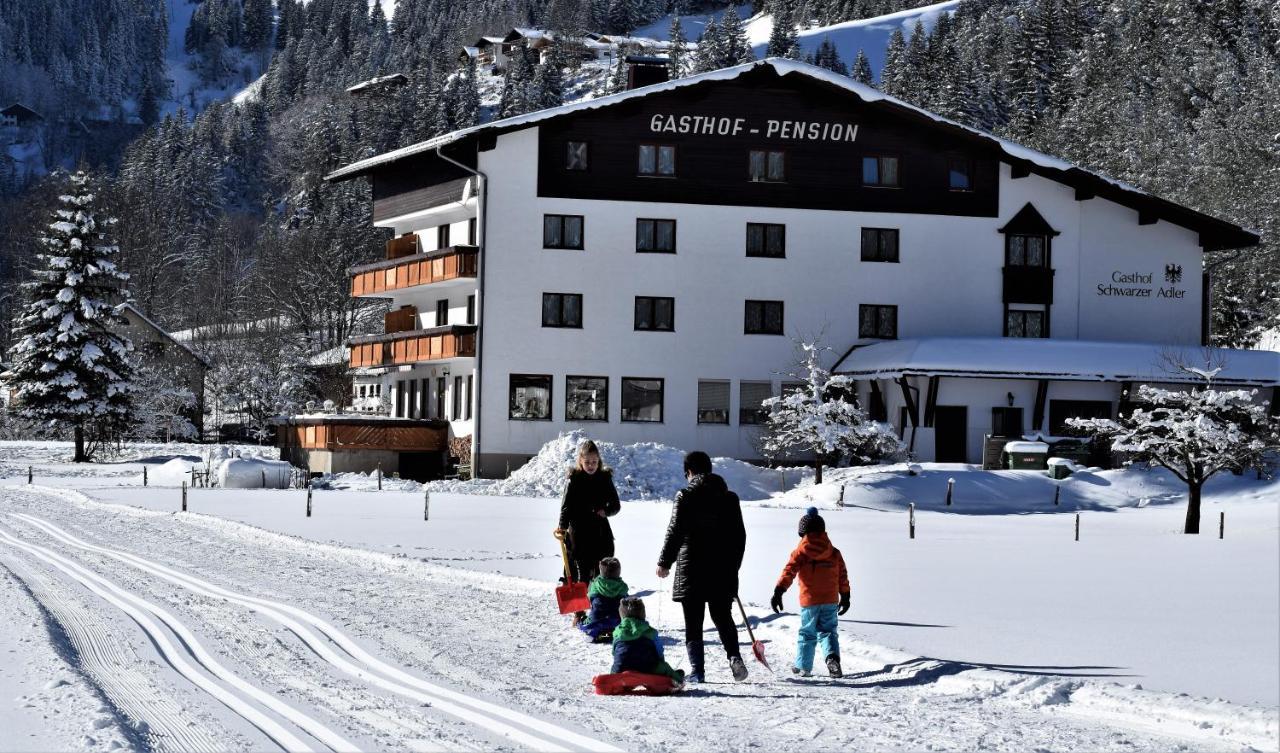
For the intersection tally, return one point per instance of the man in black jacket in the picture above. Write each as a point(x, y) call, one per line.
point(705, 540)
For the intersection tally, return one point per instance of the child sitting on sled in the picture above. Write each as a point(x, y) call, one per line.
point(605, 591)
point(635, 644)
point(823, 580)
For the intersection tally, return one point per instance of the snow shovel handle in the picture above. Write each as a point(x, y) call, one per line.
point(750, 633)
point(564, 554)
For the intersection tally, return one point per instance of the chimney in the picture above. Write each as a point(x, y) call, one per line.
point(643, 70)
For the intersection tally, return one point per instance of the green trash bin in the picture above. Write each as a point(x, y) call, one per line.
point(1026, 456)
point(1077, 451)
point(1059, 471)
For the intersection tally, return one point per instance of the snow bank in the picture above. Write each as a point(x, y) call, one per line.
point(173, 473)
point(645, 470)
point(253, 473)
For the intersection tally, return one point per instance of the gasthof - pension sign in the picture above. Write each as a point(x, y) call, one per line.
point(722, 125)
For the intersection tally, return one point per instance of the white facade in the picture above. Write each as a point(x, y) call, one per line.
point(946, 283)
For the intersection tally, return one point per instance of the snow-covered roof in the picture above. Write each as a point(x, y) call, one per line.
point(335, 356)
point(1073, 360)
point(1228, 235)
point(394, 79)
point(470, 51)
point(136, 312)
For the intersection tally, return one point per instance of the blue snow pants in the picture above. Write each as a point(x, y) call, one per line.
point(817, 623)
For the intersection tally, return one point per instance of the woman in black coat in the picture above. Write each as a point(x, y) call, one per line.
point(589, 500)
point(705, 540)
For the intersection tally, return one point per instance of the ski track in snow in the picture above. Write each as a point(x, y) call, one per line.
point(116, 669)
point(499, 637)
point(482, 713)
point(137, 609)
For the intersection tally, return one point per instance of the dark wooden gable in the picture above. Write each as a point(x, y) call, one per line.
point(418, 183)
point(712, 168)
point(1028, 221)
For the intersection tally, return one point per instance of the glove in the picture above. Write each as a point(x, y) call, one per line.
point(776, 602)
point(844, 603)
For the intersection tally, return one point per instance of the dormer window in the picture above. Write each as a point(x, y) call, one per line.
point(1026, 250)
point(575, 157)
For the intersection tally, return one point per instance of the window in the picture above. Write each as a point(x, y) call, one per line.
point(586, 398)
point(1006, 422)
point(1026, 250)
point(751, 395)
point(642, 400)
point(471, 309)
point(575, 157)
point(412, 402)
point(457, 398)
point(763, 318)
point(880, 171)
point(562, 310)
point(959, 174)
point(878, 321)
point(656, 160)
point(442, 312)
point(879, 244)
point(467, 404)
point(471, 231)
point(440, 386)
point(766, 240)
point(655, 314)
point(442, 236)
point(1024, 324)
point(713, 402)
point(656, 236)
point(562, 231)
point(530, 397)
point(766, 166)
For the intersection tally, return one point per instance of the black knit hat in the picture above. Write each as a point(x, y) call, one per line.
point(812, 522)
point(631, 606)
point(610, 567)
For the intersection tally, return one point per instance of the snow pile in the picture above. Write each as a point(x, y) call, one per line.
point(173, 473)
point(364, 482)
point(253, 473)
point(645, 470)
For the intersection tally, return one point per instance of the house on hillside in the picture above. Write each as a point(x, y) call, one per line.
point(152, 342)
point(18, 115)
point(640, 264)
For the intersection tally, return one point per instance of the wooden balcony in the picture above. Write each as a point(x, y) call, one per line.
point(362, 433)
point(452, 263)
point(1028, 285)
point(414, 346)
point(405, 245)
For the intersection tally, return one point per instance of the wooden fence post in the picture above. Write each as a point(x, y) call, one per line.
point(911, 520)
point(379, 476)
point(1077, 526)
point(1057, 492)
point(1222, 523)
point(184, 496)
point(841, 501)
point(29, 474)
point(951, 483)
point(144, 475)
point(308, 500)
point(426, 504)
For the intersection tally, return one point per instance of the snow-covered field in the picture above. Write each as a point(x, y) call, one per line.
point(246, 623)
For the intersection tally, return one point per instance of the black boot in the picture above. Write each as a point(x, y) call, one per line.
point(696, 672)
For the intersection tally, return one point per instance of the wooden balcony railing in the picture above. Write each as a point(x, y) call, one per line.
point(405, 245)
point(1028, 285)
point(452, 263)
point(363, 433)
point(414, 346)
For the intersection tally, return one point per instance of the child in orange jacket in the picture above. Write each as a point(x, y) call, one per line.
point(824, 582)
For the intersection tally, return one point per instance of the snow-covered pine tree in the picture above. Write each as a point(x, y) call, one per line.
point(548, 80)
point(162, 404)
point(516, 85)
point(861, 71)
point(782, 39)
point(737, 48)
point(468, 96)
point(1194, 434)
point(71, 369)
point(257, 24)
point(710, 52)
point(817, 418)
point(895, 63)
point(827, 56)
point(678, 51)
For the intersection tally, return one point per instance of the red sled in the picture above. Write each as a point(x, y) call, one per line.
point(634, 683)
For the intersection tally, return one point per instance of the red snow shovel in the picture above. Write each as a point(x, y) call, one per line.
point(757, 647)
point(571, 597)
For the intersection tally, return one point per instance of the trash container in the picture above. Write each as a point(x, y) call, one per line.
point(1060, 468)
point(1026, 456)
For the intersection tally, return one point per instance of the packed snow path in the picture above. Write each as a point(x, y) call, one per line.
point(261, 641)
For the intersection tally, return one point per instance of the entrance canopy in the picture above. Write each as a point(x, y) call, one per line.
point(1079, 360)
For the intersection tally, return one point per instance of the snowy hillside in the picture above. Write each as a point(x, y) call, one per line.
point(871, 35)
point(187, 90)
